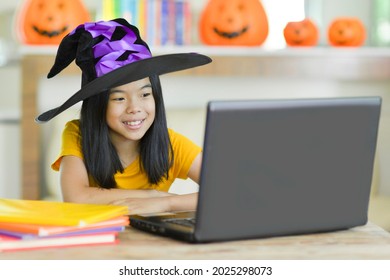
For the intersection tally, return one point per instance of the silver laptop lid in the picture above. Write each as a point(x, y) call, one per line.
point(277, 167)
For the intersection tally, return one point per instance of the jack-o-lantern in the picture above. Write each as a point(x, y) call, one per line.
point(233, 22)
point(346, 32)
point(301, 33)
point(48, 21)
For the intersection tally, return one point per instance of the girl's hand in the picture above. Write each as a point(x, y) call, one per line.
point(145, 205)
point(165, 203)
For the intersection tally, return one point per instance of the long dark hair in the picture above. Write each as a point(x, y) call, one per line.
point(100, 156)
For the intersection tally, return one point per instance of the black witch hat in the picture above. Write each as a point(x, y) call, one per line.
point(110, 54)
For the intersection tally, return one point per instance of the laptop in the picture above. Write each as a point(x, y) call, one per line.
point(279, 167)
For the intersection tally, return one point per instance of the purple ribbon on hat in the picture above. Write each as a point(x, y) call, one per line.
point(109, 51)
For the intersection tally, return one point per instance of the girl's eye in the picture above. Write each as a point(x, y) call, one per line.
point(146, 94)
point(118, 99)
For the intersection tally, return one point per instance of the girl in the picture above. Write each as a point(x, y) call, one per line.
point(120, 151)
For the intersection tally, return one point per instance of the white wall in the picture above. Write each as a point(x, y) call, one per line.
point(9, 132)
point(9, 156)
point(10, 87)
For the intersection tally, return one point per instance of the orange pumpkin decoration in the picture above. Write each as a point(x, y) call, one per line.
point(346, 32)
point(301, 33)
point(233, 22)
point(48, 21)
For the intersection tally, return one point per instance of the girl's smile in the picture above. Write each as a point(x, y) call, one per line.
point(136, 124)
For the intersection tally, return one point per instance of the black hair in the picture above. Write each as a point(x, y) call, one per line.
point(100, 156)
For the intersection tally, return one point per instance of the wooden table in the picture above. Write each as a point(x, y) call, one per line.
point(365, 242)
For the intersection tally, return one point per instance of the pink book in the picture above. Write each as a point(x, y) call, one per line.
point(15, 244)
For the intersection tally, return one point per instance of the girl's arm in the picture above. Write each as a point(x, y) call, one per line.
point(168, 203)
point(75, 186)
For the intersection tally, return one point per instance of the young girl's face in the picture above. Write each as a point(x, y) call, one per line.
point(130, 111)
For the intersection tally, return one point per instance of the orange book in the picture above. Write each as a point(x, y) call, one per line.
point(48, 230)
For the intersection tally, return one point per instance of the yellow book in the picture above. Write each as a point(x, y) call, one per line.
point(141, 18)
point(57, 213)
point(108, 12)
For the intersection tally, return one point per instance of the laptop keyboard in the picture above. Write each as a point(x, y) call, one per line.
point(188, 222)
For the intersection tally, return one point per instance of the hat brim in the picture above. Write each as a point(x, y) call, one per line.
point(156, 65)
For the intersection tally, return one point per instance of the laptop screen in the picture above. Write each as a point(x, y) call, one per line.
point(274, 167)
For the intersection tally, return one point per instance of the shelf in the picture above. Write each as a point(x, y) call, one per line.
point(362, 52)
point(365, 63)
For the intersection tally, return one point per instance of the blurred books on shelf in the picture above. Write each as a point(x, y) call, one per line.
point(380, 18)
point(161, 22)
point(33, 224)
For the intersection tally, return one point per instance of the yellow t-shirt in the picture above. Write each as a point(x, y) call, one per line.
point(185, 151)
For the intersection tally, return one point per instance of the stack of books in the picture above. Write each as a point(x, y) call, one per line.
point(161, 22)
point(34, 224)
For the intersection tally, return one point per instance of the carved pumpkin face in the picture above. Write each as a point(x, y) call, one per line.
point(301, 33)
point(233, 22)
point(48, 21)
point(346, 32)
